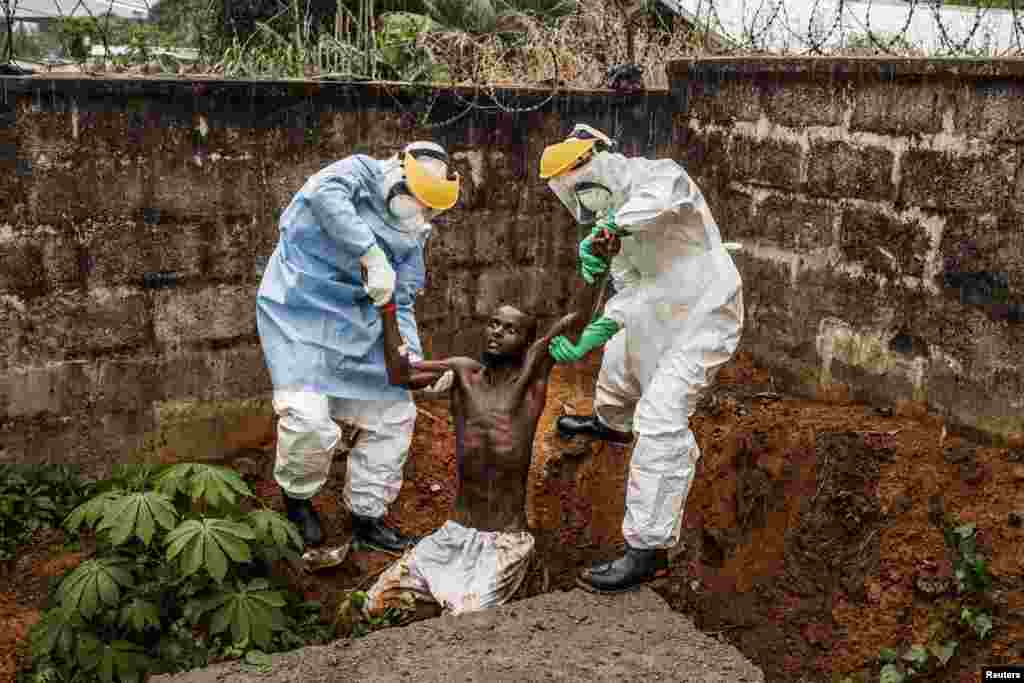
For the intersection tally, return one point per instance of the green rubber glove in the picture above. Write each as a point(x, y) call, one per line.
point(594, 336)
point(591, 265)
point(607, 222)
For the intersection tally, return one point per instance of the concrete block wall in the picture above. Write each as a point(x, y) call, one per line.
point(136, 218)
point(881, 204)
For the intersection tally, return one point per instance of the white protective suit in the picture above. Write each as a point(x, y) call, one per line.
point(322, 335)
point(679, 304)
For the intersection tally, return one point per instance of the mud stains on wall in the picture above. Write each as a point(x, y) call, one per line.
point(880, 202)
point(136, 218)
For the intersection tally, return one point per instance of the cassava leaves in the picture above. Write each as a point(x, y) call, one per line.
point(891, 674)
point(54, 634)
point(138, 514)
point(109, 662)
point(251, 612)
point(208, 544)
point(275, 528)
point(94, 584)
point(215, 485)
point(92, 511)
point(140, 614)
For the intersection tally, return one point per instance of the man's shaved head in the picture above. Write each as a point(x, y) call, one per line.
point(508, 334)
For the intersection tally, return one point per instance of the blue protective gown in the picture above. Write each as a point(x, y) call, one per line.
point(319, 329)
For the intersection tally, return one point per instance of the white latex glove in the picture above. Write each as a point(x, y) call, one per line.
point(380, 276)
point(443, 383)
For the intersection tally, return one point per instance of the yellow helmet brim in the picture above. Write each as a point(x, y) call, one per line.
point(436, 193)
point(559, 158)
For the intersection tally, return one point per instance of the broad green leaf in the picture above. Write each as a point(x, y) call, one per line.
point(129, 659)
point(258, 659)
point(136, 514)
point(55, 634)
point(180, 536)
point(945, 651)
point(891, 674)
point(275, 528)
point(218, 485)
point(214, 484)
point(258, 584)
point(965, 530)
point(887, 655)
point(94, 584)
point(241, 622)
point(251, 613)
point(917, 656)
point(91, 511)
point(140, 614)
point(983, 625)
point(207, 544)
point(90, 651)
point(174, 479)
point(214, 560)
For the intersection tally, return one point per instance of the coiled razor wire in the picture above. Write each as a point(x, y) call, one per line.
point(761, 27)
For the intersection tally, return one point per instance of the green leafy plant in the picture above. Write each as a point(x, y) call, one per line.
point(182, 577)
point(969, 568)
point(354, 619)
point(76, 36)
point(963, 618)
point(979, 621)
point(34, 497)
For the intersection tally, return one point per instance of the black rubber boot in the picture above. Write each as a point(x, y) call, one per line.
point(631, 570)
point(589, 426)
point(301, 514)
point(377, 535)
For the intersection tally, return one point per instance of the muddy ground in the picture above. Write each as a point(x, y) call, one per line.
point(813, 532)
point(565, 637)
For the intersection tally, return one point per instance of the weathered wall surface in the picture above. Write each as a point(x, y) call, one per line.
point(880, 203)
point(136, 218)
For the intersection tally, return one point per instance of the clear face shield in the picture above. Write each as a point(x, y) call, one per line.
point(586, 199)
point(412, 216)
point(410, 213)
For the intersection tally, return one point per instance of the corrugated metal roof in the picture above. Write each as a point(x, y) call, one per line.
point(47, 9)
point(805, 24)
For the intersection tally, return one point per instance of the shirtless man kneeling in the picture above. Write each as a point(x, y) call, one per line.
point(479, 559)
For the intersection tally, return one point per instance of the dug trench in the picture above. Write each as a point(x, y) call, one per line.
point(813, 536)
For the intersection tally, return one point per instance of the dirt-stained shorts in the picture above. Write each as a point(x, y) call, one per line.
point(462, 569)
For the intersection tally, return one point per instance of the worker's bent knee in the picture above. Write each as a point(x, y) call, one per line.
point(388, 418)
point(305, 422)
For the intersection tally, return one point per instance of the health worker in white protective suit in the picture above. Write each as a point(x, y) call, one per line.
point(351, 242)
point(674, 319)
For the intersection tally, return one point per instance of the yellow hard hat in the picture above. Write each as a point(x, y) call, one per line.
point(568, 154)
point(433, 190)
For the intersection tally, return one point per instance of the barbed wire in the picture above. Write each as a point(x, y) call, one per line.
point(578, 50)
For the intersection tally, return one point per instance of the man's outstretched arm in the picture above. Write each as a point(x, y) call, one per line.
point(401, 371)
point(591, 331)
point(539, 360)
